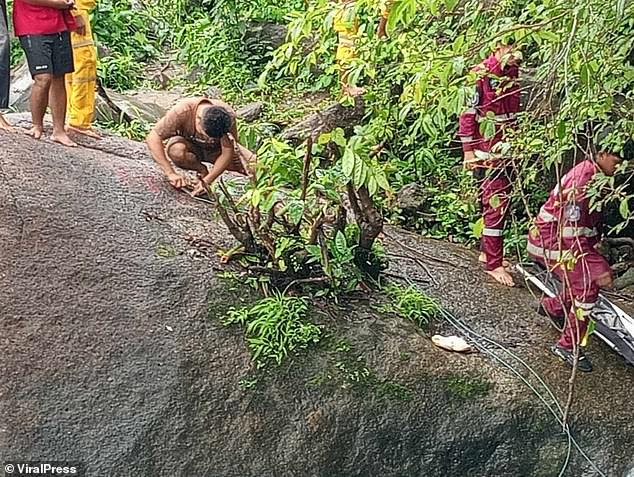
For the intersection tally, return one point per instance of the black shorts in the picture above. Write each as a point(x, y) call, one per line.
point(52, 54)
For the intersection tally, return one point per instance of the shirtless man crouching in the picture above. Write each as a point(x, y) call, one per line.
point(194, 132)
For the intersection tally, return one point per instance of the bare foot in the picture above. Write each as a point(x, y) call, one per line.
point(63, 139)
point(90, 132)
point(36, 132)
point(5, 126)
point(483, 259)
point(502, 276)
point(353, 91)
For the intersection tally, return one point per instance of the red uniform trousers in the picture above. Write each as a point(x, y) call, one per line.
point(578, 295)
point(495, 193)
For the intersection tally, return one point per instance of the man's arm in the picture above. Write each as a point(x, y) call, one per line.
point(468, 129)
point(59, 4)
point(155, 145)
point(222, 164)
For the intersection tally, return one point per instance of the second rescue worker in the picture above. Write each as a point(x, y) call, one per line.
point(497, 95)
point(564, 238)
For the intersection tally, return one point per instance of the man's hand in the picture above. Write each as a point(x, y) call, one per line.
point(177, 181)
point(63, 4)
point(200, 187)
point(470, 162)
point(80, 25)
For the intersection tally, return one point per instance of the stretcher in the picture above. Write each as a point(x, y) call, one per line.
point(612, 325)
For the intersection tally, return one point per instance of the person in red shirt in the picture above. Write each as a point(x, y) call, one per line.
point(564, 237)
point(5, 64)
point(498, 97)
point(43, 27)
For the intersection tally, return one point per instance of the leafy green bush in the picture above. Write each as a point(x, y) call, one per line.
point(134, 37)
point(578, 60)
point(120, 73)
point(291, 219)
point(17, 53)
point(412, 304)
point(275, 327)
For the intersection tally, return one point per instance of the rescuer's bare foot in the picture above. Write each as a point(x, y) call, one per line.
point(502, 276)
point(89, 132)
point(483, 259)
point(353, 90)
point(36, 132)
point(63, 139)
point(5, 126)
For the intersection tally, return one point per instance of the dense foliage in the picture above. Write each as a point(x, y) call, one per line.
point(577, 72)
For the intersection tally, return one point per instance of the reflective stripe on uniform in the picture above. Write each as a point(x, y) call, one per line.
point(546, 216)
point(568, 232)
point(487, 156)
point(79, 44)
point(554, 255)
point(584, 305)
point(573, 232)
point(504, 117)
point(493, 232)
point(466, 138)
point(583, 309)
point(345, 40)
point(73, 80)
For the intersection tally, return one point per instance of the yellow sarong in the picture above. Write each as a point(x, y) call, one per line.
point(384, 6)
point(346, 25)
point(81, 85)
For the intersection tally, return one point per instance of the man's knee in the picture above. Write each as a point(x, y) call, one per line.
point(177, 152)
point(43, 80)
point(605, 280)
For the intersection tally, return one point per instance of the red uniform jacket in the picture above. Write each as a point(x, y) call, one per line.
point(497, 91)
point(565, 221)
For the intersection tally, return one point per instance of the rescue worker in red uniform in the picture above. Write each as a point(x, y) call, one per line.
point(497, 95)
point(563, 238)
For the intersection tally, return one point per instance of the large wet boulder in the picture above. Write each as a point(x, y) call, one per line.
point(107, 108)
point(334, 116)
point(112, 352)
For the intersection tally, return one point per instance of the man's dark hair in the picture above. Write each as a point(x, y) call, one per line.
point(216, 121)
point(604, 143)
point(628, 150)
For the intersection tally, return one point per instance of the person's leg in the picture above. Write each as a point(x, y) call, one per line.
point(81, 84)
point(555, 307)
point(39, 55)
point(345, 54)
point(5, 60)
point(184, 155)
point(62, 65)
point(58, 111)
point(589, 274)
point(39, 102)
point(4, 125)
point(495, 193)
point(237, 164)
